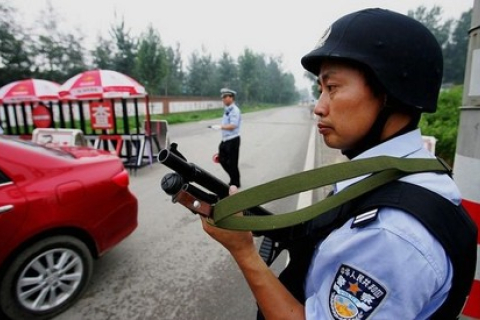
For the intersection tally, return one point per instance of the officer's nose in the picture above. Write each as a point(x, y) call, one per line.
point(321, 108)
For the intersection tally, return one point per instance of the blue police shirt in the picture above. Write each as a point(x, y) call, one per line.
point(392, 268)
point(231, 115)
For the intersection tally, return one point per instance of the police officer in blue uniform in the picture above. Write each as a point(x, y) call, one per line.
point(229, 148)
point(377, 72)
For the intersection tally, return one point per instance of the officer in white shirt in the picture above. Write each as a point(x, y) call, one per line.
point(229, 148)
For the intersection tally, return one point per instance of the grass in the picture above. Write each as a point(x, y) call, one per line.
point(192, 116)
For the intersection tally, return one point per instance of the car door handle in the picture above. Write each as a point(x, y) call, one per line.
point(6, 208)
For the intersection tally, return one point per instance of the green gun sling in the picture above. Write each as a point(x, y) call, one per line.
point(382, 169)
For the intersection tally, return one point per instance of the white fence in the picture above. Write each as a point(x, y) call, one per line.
point(156, 107)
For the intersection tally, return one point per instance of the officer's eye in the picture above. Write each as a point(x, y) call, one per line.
point(329, 87)
point(319, 88)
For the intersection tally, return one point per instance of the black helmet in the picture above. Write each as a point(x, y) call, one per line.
point(402, 53)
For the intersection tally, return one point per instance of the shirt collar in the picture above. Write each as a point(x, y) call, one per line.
point(399, 147)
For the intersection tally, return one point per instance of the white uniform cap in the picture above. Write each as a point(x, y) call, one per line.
point(227, 91)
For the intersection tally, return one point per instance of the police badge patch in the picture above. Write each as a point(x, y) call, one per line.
point(354, 295)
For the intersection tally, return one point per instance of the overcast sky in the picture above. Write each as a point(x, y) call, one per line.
point(276, 28)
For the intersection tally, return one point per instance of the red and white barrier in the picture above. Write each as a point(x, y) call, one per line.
point(467, 177)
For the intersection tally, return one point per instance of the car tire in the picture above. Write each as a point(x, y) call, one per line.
point(46, 278)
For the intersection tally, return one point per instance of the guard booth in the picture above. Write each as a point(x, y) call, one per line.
point(110, 109)
point(120, 125)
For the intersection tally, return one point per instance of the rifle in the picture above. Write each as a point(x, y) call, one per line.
point(280, 230)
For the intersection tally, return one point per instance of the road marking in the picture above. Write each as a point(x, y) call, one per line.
point(305, 198)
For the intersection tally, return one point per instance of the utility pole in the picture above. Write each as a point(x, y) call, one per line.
point(466, 169)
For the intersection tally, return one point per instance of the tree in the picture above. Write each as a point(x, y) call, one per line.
point(74, 58)
point(228, 72)
point(455, 52)
point(15, 59)
point(279, 87)
point(263, 80)
point(273, 81)
point(247, 64)
point(58, 55)
point(201, 76)
point(103, 57)
point(314, 88)
point(125, 49)
point(172, 84)
point(258, 89)
point(194, 76)
point(151, 61)
point(287, 92)
point(452, 37)
point(432, 20)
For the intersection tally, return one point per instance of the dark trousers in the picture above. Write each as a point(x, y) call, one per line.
point(228, 153)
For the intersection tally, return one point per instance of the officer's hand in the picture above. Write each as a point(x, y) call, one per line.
point(215, 127)
point(237, 242)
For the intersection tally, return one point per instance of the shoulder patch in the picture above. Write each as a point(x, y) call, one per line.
point(354, 294)
point(364, 218)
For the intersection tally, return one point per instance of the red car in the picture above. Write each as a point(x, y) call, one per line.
point(59, 210)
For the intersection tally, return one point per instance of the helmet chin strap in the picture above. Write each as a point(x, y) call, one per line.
point(373, 137)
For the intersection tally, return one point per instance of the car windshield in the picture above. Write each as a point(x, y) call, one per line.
point(40, 148)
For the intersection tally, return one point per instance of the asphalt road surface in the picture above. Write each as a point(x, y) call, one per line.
point(169, 268)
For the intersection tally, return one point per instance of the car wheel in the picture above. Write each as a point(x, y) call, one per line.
point(46, 278)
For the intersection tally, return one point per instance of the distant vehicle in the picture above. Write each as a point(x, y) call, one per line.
point(59, 210)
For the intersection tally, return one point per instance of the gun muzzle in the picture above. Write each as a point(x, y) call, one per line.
point(172, 183)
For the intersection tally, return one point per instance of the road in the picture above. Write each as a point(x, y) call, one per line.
point(169, 268)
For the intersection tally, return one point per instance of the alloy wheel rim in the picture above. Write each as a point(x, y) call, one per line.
point(49, 279)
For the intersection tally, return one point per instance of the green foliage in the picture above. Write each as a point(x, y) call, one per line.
point(201, 76)
point(443, 124)
point(14, 55)
point(247, 65)
point(172, 83)
point(451, 35)
point(431, 18)
point(51, 53)
point(455, 52)
point(151, 62)
point(102, 54)
point(228, 72)
point(126, 48)
point(58, 54)
point(262, 79)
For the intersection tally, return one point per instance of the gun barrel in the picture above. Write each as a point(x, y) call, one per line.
point(193, 173)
